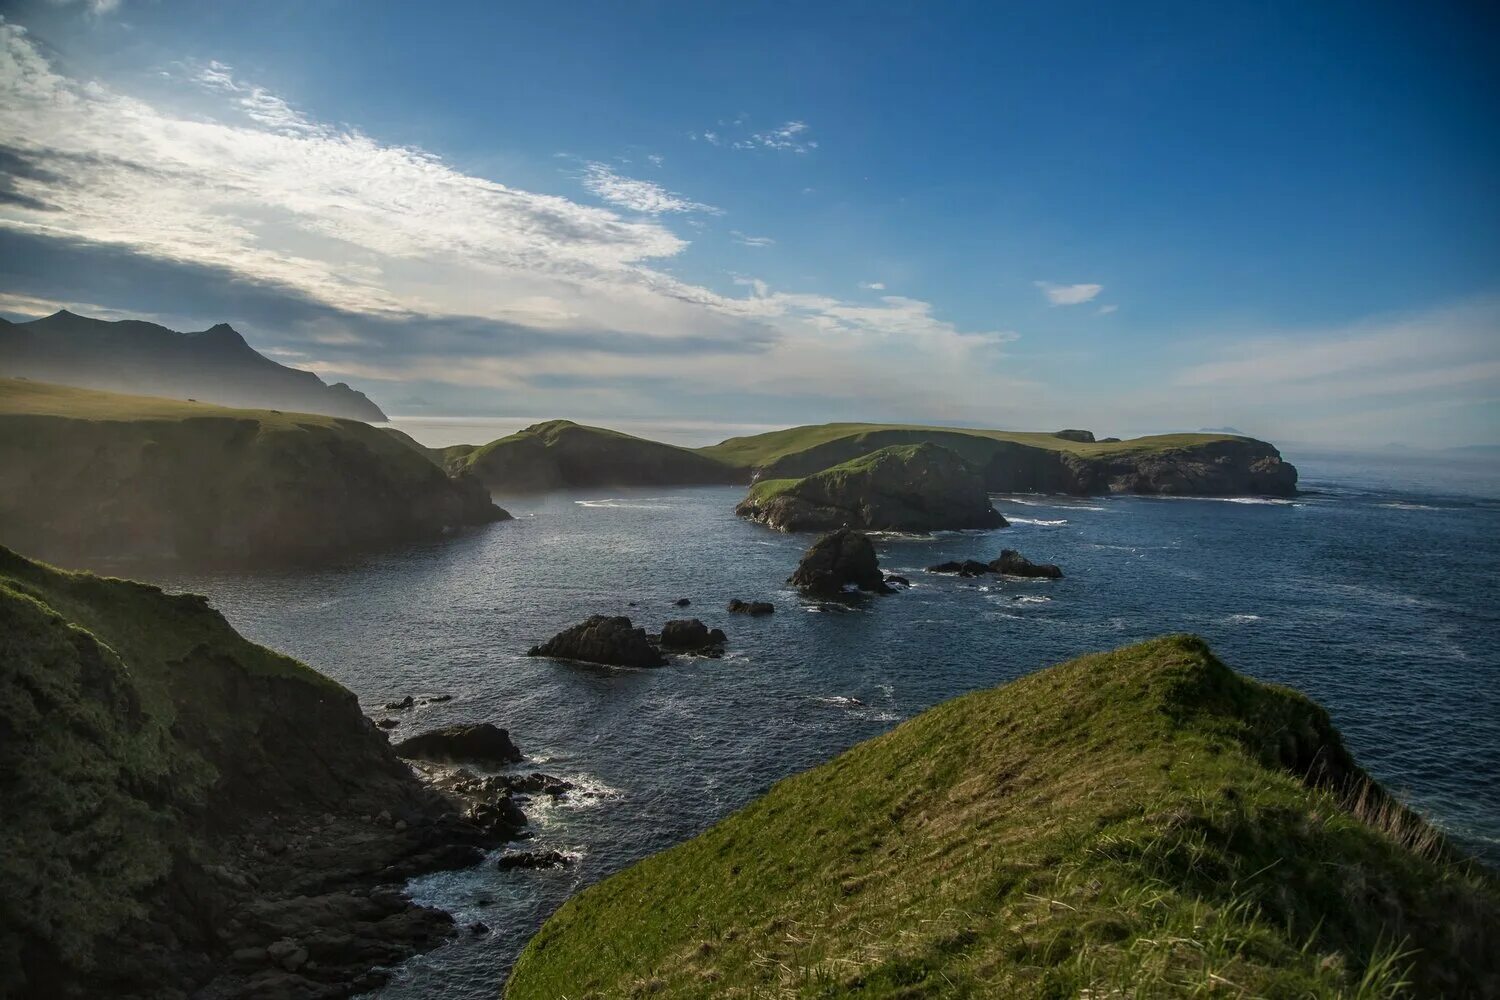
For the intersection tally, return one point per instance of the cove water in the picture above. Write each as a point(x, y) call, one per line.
point(1375, 593)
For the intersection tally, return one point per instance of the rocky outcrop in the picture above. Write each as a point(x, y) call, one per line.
point(1083, 437)
point(516, 860)
point(689, 635)
point(86, 476)
point(1012, 563)
point(920, 487)
point(739, 607)
point(484, 743)
point(610, 641)
point(968, 567)
point(187, 812)
point(837, 561)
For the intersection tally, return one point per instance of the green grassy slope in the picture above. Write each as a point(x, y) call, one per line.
point(94, 474)
point(763, 449)
point(562, 454)
point(1133, 823)
point(132, 723)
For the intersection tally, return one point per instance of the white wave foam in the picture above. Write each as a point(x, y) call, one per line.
point(1244, 618)
point(839, 701)
point(1036, 521)
point(1400, 505)
point(1031, 599)
point(619, 503)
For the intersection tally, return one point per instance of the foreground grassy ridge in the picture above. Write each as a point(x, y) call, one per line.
point(1132, 823)
point(763, 449)
point(105, 760)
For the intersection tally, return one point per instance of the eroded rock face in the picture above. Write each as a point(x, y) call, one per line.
point(1012, 563)
point(920, 487)
point(755, 608)
point(689, 635)
point(484, 743)
point(611, 641)
point(1085, 437)
point(969, 567)
point(839, 560)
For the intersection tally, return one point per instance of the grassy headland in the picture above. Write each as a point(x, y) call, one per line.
point(1143, 822)
point(87, 474)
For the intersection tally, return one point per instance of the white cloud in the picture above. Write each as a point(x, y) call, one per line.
point(97, 7)
point(256, 193)
point(1068, 295)
point(1105, 310)
point(637, 195)
point(875, 286)
point(656, 159)
point(751, 241)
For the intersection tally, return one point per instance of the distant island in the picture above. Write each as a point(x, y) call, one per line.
point(96, 475)
point(1134, 823)
point(561, 454)
point(211, 366)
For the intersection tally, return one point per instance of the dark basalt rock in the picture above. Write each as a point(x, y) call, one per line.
point(969, 567)
point(838, 560)
point(921, 487)
point(534, 783)
point(396, 706)
point(1012, 563)
point(682, 602)
point(532, 859)
point(757, 608)
point(1086, 437)
point(388, 723)
point(897, 581)
point(484, 743)
point(611, 641)
point(689, 635)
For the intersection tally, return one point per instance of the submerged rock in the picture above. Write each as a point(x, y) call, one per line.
point(739, 607)
point(682, 602)
point(921, 487)
point(969, 567)
point(484, 743)
point(611, 641)
point(838, 560)
point(689, 635)
point(404, 703)
point(1012, 563)
point(532, 859)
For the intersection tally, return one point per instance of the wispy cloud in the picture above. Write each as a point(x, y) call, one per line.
point(751, 241)
point(789, 137)
point(874, 286)
point(637, 195)
point(1105, 310)
point(96, 7)
point(1068, 295)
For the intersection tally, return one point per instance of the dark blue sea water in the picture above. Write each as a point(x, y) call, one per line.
point(1375, 593)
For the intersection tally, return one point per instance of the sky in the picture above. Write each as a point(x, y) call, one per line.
point(1136, 218)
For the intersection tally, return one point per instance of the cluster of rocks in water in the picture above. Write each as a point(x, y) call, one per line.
point(1009, 563)
point(615, 641)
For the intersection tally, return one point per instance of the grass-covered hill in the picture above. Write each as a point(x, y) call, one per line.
point(1187, 464)
point(560, 454)
point(88, 475)
point(137, 730)
point(213, 365)
point(1139, 823)
point(913, 487)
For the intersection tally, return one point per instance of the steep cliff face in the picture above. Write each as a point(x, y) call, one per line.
point(560, 454)
point(160, 778)
point(87, 475)
point(921, 487)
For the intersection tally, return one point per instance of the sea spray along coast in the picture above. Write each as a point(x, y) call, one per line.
point(689, 502)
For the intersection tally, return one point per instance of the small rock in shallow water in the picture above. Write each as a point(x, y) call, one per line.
point(897, 581)
point(612, 641)
point(533, 859)
point(484, 742)
point(479, 928)
point(682, 602)
point(839, 559)
point(969, 567)
point(1012, 563)
point(388, 723)
point(396, 706)
point(740, 607)
point(689, 635)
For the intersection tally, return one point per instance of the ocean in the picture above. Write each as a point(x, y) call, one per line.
point(1374, 592)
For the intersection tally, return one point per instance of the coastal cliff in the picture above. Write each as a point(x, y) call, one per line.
point(90, 475)
point(187, 810)
point(1141, 822)
point(921, 487)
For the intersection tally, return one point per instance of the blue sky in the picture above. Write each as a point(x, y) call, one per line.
point(1145, 217)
